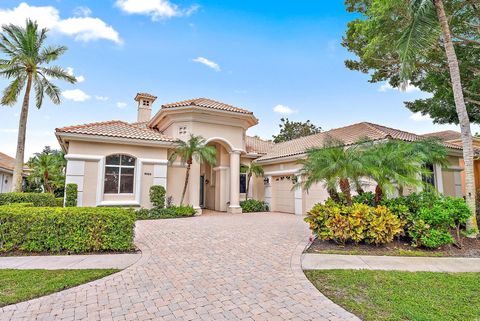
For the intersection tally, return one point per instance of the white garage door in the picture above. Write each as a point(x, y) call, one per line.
point(283, 195)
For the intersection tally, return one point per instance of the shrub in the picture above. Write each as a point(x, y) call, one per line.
point(161, 213)
point(356, 223)
point(367, 198)
point(48, 229)
point(37, 199)
point(157, 196)
point(18, 205)
point(71, 191)
point(59, 201)
point(252, 205)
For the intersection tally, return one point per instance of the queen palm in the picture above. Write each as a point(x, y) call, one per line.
point(27, 64)
point(194, 149)
point(429, 22)
point(333, 165)
point(253, 169)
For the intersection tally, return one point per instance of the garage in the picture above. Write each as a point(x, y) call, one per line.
point(283, 194)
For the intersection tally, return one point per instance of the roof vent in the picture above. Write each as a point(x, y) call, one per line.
point(145, 102)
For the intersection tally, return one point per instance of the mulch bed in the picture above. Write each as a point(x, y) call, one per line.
point(470, 248)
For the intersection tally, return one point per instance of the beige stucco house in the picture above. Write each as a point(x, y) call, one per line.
point(115, 163)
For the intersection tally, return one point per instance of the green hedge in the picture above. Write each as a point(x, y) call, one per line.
point(59, 201)
point(162, 213)
point(157, 196)
point(252, 205)
point(37, 199)
point(49, 229)
point(71, 194)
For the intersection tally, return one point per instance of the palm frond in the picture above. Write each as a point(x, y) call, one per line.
point(57, 73)
point(52, 91)
point(12, 91)
point(51, 53)
point(39, 91)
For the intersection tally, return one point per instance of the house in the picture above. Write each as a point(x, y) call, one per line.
point(7, 165)
point(114, 163)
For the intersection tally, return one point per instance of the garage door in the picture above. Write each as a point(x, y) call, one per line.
point(283, 195)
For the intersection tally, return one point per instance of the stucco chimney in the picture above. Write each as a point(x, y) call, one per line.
point(145, 102)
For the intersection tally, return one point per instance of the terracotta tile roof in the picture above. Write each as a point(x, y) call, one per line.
point(117, 128)
point(207, 103)
point(146, 95)
point(445, 135)
point(257, 145)
point(348, 135)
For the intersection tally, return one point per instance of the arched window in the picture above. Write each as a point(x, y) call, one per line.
point(119, 174)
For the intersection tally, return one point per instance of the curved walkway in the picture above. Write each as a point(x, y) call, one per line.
point(312, 261)
point(212, 267)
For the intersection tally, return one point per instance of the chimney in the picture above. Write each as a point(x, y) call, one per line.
point(145, 102)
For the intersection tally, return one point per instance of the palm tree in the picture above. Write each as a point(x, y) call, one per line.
point(334, 164)
point(253, 169)
point(47, 169)
point(422, 31)
point(26, 64)
point(188, 151)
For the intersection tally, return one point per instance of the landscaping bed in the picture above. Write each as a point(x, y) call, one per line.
point(470, 248)
point(21, 285)
point(399, 296)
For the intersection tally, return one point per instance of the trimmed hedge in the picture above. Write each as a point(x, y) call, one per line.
point(37, 199)
point(157, 196)
point(71, 194)
point(251, 205)
point(59, 201)
point(162, 213)
point(76, 230)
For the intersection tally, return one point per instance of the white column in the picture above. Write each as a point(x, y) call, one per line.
point(235, 182)
point(194, 187)
point(298, 192)
point(268, 191)
point(75, 175)
point(438, 177)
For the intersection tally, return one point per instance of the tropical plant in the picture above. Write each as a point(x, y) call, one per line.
point(252, 169)
point(27, 63)
point(194, 149)
point(334, 165)
point(423, 31)
point(295, 129)
point(47, 169)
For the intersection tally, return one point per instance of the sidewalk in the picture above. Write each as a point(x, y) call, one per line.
point(312, 261)
point(57, 262)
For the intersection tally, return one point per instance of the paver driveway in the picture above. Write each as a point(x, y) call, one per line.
point(212, 267)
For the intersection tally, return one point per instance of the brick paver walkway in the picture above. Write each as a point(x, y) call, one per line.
point(212, 267)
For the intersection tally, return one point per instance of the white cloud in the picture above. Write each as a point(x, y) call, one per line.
point(101, 98)
point(208, 63)
point(121, 104)
point(75, 95)
point(284, 110)
point(156, 9)
point(410, 88)
point(81, 11)
point(419, 117)
point(79, 78)
point(80, 28)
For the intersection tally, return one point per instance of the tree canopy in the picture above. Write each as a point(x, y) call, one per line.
point(294, 129)
point(373, 37)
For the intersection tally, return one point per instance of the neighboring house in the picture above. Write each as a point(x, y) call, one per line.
point(114, 163)
point(7, 164)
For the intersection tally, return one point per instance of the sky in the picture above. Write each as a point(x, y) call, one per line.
point(275, 58)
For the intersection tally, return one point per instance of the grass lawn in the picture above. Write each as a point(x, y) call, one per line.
point(394, 295)
point(22, 285)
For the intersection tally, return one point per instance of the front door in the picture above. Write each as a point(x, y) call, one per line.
point(202, 191)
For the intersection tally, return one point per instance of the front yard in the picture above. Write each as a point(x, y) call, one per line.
point(21, 285)
point(393, 295)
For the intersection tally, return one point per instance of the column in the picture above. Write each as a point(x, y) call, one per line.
point(298, 192)
point(75, 175)
point(194, 187)
point(268, 191)
point(235, 182)
point(437, 175)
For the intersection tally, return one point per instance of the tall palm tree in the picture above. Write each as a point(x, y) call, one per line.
point(429, 20)
point(188, 151)
point(27, 64)
point(253, 169)
point(334, 164)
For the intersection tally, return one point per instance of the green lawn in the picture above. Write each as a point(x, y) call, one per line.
point(393, 295)
point(21, 285)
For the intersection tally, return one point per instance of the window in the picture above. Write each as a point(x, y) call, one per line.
point(146, 103)
point(243, 183)
point(429, 180)
point(119, 174)
point(182, 130)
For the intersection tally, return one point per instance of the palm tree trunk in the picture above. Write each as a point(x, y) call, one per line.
point(22, 131)
point(248, 185)
point(345, 188)
point(472, 227)
point(378, 194)
point(334, 195)
point(187, 176)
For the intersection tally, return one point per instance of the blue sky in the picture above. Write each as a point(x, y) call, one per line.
point(276, 58)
